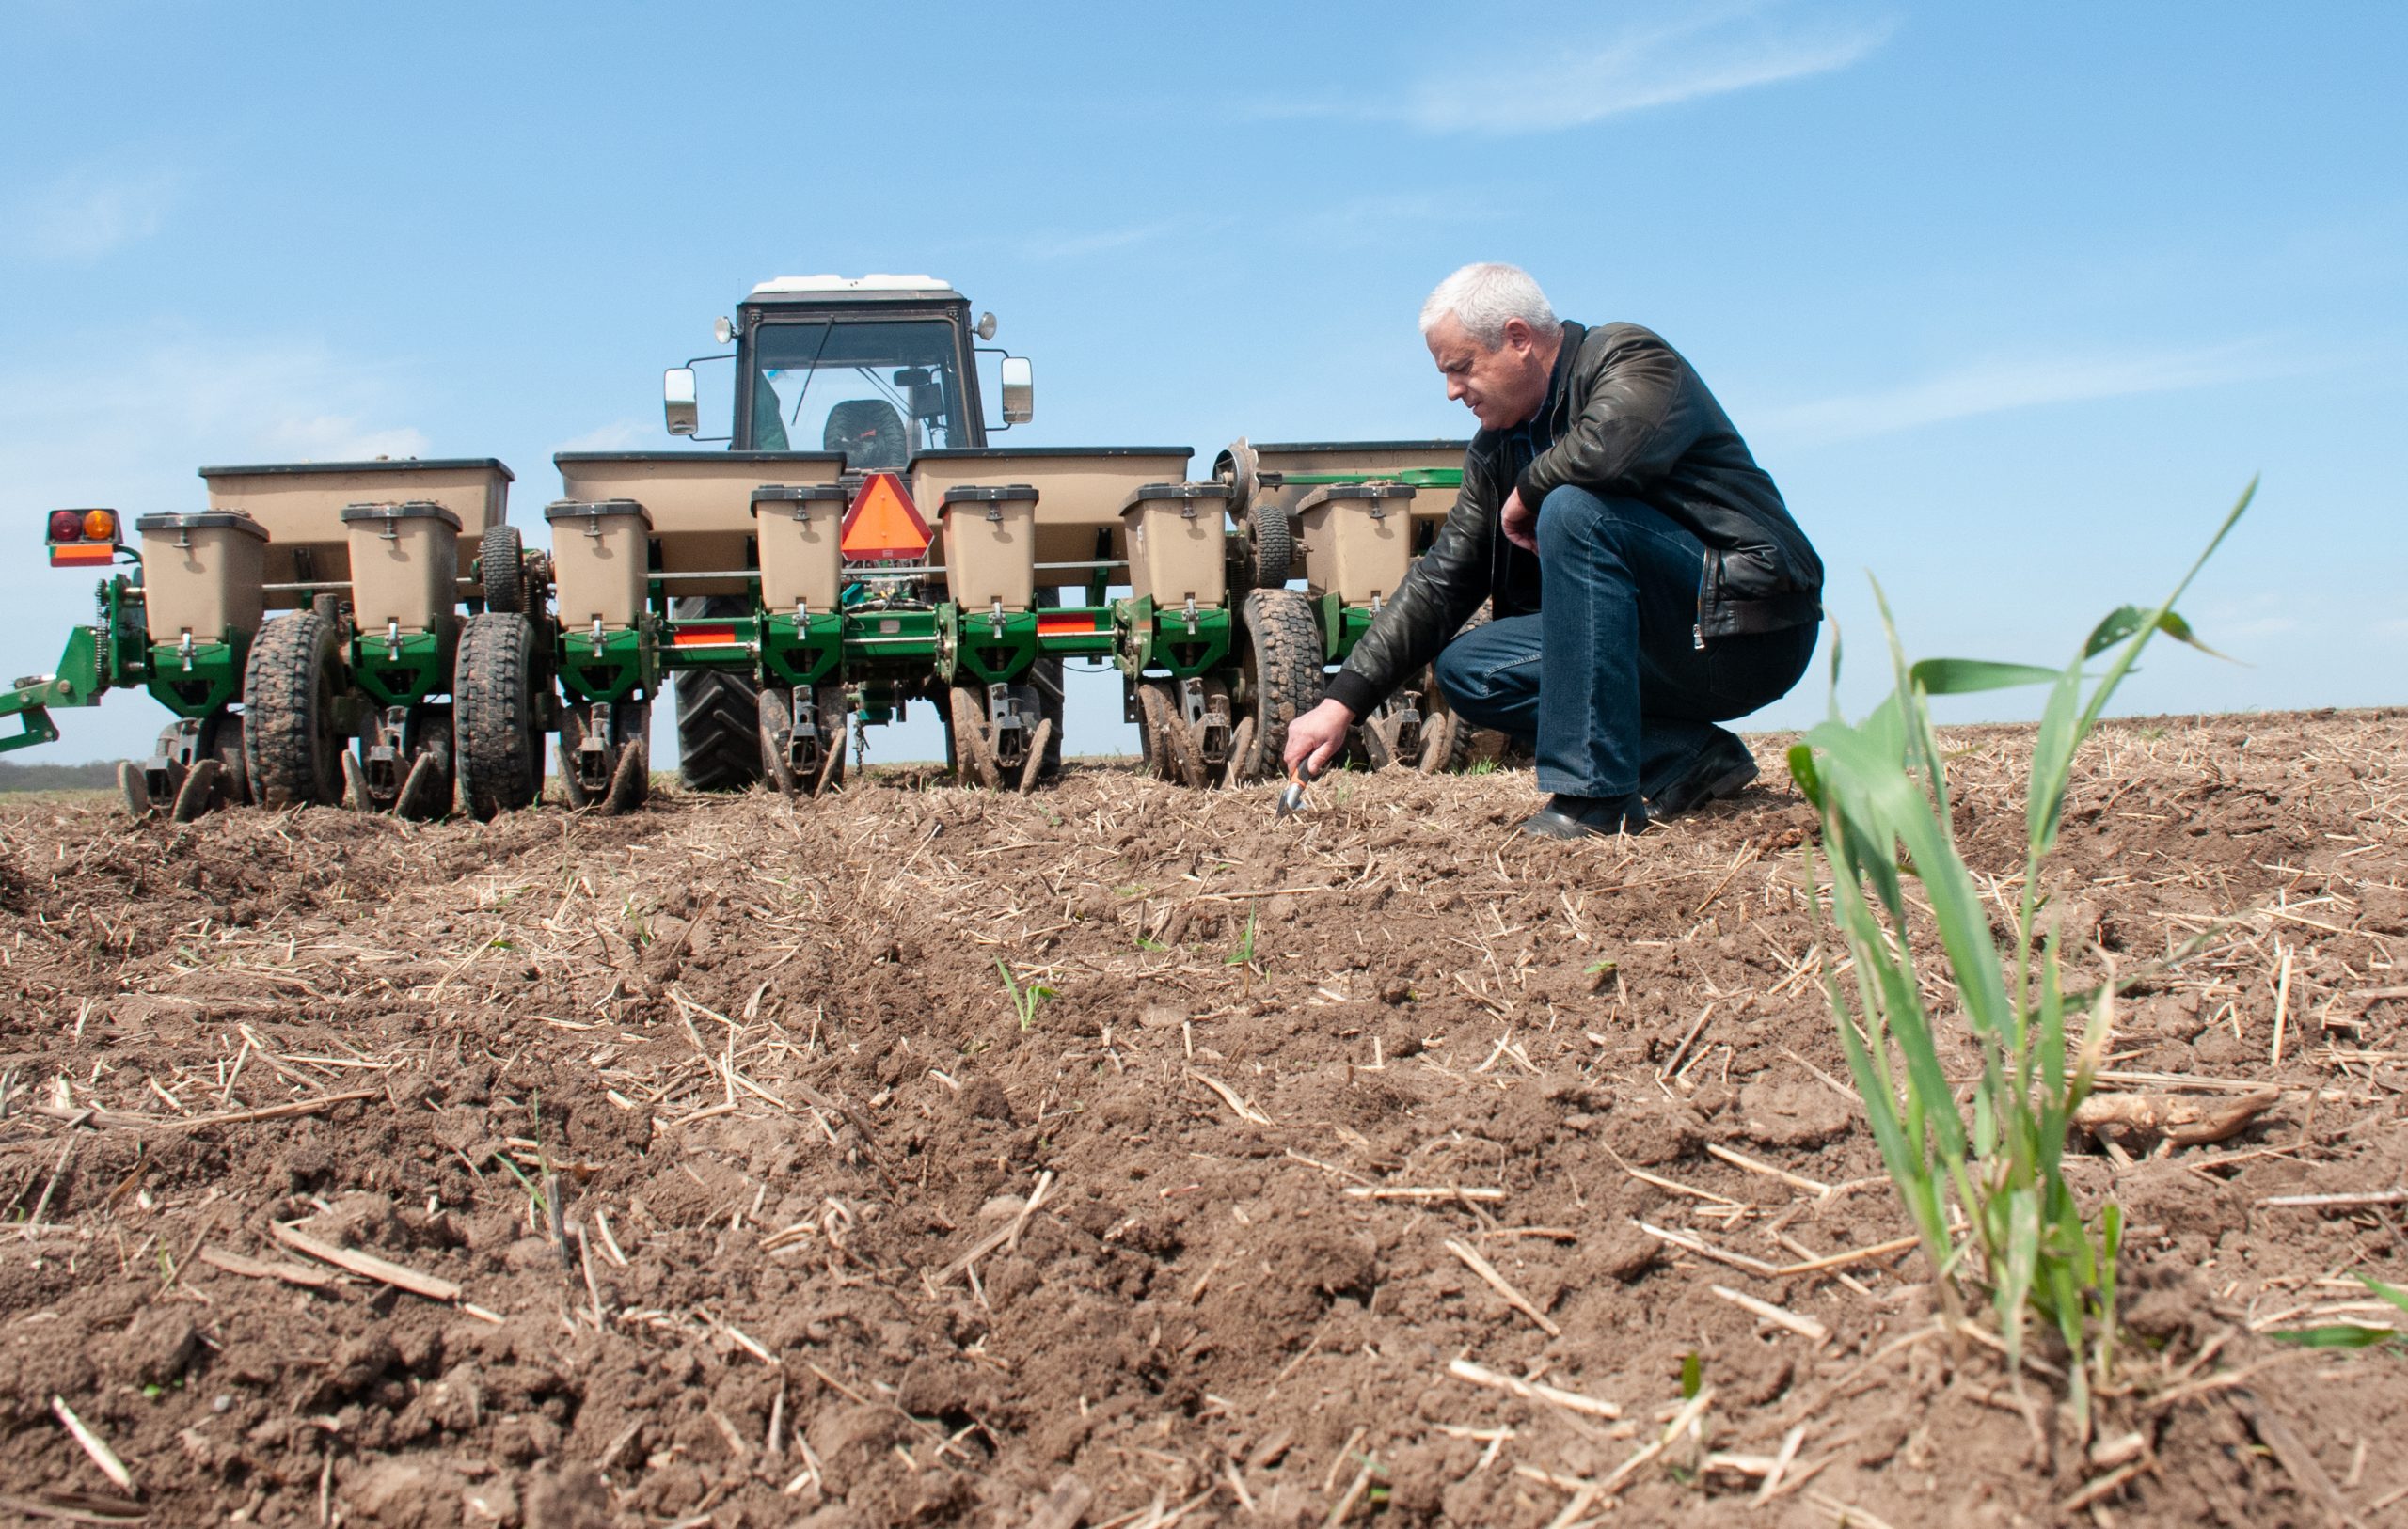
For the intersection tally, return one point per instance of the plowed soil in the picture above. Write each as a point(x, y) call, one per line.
point(1116, 1156)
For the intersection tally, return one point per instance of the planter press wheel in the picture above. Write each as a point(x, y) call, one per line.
point(777, 765)
point(1282, 677)
point(1445, 737)
point(630, 782)
point(210, 777)
point(1169, 746)
point(497, 718)
point(1385, 738)
point(974, 752)
point(426, 791)
point(290, 689)
point(966, 727)
point(1449, 743)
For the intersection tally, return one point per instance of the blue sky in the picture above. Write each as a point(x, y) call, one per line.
point(2011, 300)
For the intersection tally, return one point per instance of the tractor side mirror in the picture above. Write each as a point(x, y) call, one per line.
point(1019, 390)
point(678, 400)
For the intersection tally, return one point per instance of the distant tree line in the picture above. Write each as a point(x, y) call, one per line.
point(97, 775)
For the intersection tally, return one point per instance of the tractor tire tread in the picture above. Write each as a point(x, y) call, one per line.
point(1285, 643)
point(501, 572)
point(289, 742)
point(499, 716)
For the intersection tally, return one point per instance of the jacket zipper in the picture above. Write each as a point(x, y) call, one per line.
point(1704, 582)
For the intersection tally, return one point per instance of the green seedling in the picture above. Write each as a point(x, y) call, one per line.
point(534, 1191)
point(1024, 997)
point(2353, 1334)
point(2014, 1231)
point(1244, 955)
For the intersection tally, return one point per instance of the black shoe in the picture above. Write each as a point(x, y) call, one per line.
point(1577, 817)
point(1722, 770)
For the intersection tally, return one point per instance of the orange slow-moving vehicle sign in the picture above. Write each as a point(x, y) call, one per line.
point(883, 526)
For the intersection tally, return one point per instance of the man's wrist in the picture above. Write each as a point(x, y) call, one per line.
point(1352, 691)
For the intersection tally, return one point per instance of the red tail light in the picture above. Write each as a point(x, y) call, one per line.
point(67, 524)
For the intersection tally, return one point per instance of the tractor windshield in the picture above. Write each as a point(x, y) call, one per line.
point(877, 390)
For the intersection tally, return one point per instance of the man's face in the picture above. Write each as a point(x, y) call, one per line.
point(1503, 386)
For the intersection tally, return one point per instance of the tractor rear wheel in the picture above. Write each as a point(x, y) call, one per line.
point(719, 713)
point(497, 715)
point(1283, 677)
point(291, 689)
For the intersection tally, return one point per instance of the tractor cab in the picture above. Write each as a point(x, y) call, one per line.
point(881, 367)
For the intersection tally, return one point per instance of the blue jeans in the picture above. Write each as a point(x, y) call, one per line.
point(1607, 678)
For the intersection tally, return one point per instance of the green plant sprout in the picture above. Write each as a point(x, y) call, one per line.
point(1879, 789)
point(1024, 997)
point(2354, 1335)
point(1244, 955)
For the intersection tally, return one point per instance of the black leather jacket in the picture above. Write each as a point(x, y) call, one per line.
point(1632, 418)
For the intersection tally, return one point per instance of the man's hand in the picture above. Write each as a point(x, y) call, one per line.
point(1315, 738)
point(1521, 522)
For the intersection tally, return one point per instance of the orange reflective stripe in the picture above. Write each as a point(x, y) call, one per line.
point(90, 555)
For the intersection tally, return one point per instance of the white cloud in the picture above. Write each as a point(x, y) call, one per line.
point(1660, 60)
point(2000, 384)
point(129, 422)
point(89, 213)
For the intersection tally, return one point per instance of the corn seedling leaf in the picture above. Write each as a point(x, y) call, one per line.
point(2386, 1292)
point(1967, 676)
point(2334, 1335)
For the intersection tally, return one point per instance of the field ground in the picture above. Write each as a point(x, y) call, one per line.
point(1116, 1156)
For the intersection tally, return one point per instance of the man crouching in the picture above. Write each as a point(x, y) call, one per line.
point(1645, 580)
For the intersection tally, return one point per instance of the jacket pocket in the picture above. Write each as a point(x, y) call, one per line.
point(1745, 574)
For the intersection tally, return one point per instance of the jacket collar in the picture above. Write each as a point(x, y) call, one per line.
point(1558, 381)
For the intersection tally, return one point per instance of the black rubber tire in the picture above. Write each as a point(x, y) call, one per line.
point(719, 714)
point(1273, 544)
point(290, 749)
point(1283, 663)
point(497, 715)
point(502, 570)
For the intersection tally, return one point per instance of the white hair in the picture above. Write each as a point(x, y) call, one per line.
point(1483, 296)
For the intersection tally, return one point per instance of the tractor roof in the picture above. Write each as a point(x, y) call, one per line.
point(875, 287)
